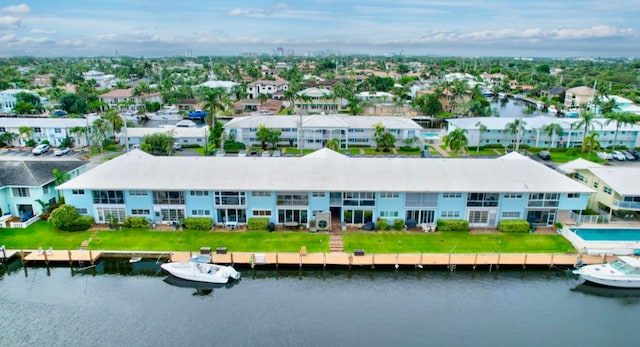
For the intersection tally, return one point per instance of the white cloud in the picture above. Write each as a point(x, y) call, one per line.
point(9, 22)
point(19, 10)
point(42, 31)
point(259, 11)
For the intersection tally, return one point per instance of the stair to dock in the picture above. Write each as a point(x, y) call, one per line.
point(336, 245)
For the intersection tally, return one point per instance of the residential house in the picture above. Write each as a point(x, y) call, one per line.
point(254, 89)
point(54, 130)
point(42, 80)
point(353, 190)
point(226, 85)
point(124, 100)
point(535, 136)
point(183, 135)
point(318, 130)
point(25, 186)
point(578, 96)
point(8, 98)
point(102, 80)
point(320, 100)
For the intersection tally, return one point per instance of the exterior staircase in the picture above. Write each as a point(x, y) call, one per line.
point(336, 245)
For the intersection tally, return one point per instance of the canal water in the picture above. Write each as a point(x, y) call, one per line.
point(513, 108)
point(122, 304)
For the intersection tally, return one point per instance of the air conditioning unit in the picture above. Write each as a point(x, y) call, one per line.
point(323, 221)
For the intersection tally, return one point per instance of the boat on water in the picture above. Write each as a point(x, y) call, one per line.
point(166, 113)
point(198, 115)
point(201, 272)
point(623, 272)
point(186, 123)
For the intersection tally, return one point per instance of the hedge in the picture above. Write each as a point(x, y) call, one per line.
point(382, 224)
point(198, 223)
point(258, 223)
point(398, 224)
point(233, 147)
point(452, 225)
point(513, 226)
point(135, 222)
point(82, 223)
point(409, 149)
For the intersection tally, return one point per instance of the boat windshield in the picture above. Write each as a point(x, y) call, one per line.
point(625, 268)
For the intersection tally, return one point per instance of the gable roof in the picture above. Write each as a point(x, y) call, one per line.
point(623, 180)
point(575, 165)
point(325, 170)
point(33, 173)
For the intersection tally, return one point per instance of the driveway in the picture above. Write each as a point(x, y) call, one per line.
point(25, 154)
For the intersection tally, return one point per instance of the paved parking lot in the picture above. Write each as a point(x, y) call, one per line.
point(22, 154)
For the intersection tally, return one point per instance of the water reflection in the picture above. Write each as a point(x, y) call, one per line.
point(629, 296)
point(200, 288)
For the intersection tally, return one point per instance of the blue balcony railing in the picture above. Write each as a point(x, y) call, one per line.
point(627, 204)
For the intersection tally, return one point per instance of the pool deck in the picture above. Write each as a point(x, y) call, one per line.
point(600, 247)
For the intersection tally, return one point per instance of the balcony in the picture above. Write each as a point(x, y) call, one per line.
point(627, 205)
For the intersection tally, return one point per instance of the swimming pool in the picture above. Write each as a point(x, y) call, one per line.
point(430, 135)
point(607, 234)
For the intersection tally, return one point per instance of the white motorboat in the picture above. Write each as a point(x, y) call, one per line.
point(166, 113)
point(201, 272)
point(621, 273)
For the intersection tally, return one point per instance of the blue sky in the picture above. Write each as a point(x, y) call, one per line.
point(421, 27)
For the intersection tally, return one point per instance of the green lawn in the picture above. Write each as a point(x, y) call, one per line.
point(42, 234)
point(563, 157)
point(455, 242)
point(471, 151)
point(192, 240)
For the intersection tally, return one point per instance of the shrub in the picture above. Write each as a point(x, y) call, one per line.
point(258, 223)
point(198, 223)
point(452, 225)
point(82, 223)
point(409, 149)
point(233, 147)
point(590, 212)
point(493, 145)
point(63, 216)
point(135, 222)
point(382, 224)
point(513, 226)
point(398, 224)
point(191, 145)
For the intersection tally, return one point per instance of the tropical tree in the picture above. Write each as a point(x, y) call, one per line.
point(621, 118)
point(516, 128)
point(80, 131)
point(428, 104)
point(378, 131)
point(100, 129)
point(7, 137)
point(481, 130)
point(608, 106)
point(60, 177)
point(456, 140)
point(113, 117)
point(553, 130)
point(274, 138)
point(158, 143)
point(263, 135)
point(334, 144)
point(354, 106)
point(591, 142)
point(587, 122)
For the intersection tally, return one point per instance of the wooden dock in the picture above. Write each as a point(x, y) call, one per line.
point(53, 256)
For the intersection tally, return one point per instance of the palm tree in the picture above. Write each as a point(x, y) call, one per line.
point(456, 140)
point(81, 131)
point(7, 138)
point(587, 122)
point(334, 144)
point(60, 178)
point(591, 142)
point(99, 133)
point(215, 100)
point(26, 131)
point(114, 119)
point(516, 127)
point(481, 129)
point(552, 130)
point(621, 118)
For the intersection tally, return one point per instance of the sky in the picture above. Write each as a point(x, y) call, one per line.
point(153, 28)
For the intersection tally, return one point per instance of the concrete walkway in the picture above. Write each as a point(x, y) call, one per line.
point(442, 152)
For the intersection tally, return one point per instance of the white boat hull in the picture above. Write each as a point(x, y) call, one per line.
point(155, 116)
point(607, 275)
point(199, 272)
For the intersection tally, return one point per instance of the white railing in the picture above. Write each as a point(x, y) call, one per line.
point(589, 219)
point(24, 225)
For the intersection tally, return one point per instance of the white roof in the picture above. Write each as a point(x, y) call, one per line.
point(325, 170)
point(43, 122)
point(317, 92)
point(539, 122)
point(178, 132)
point(219, 84)
point(575, 165)
point(623, 179)
point(321, 122)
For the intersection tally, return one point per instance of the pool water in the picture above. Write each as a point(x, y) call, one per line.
point(607, 234)
point(430, 135)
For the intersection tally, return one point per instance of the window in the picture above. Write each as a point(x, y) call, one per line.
point(510, 215)
point(138, 193)
point(421, 200)
point(452, 195)
point(261, 213)
point(607, 190)
point(389, 214)
point(168, 198)
point(230, 198)
point(57, 130)
point(172, 214)
point(3, 130)
point(139, 211)
point(389, 195)
point(199, 193)
point(107, 214)
point(200, 212)
point(482, 199)
point(82, 211)
point(543, 200)
point(573, 195)
point(359, 199)
point(292, 216)
point(318, 194)
point(261, 194)
point(37, 130)
point(478, 217)
point(579, 177)
point(21, 192)
point(450, 214)
point(108, 197)
point(513, 196)
point(292, 199)
point(77, 191)
point(45, 189)
point(358, 216)
point(595, 185)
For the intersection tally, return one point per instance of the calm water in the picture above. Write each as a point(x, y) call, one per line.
point(608, 234)
point(514, 109)
point(133, 305)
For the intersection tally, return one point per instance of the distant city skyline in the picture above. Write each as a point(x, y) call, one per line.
point(545, 28)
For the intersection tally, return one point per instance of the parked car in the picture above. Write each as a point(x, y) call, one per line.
point(220, 153)
point(253, 153)
point(276, 153)
point(544, 155)
point(242, 153)
point(40, 149)
point(635, 153)
point(61, 151)
point(629, 155)
point(266, 154)
point(605, 155)
point(177, 146)
point(617, 155)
